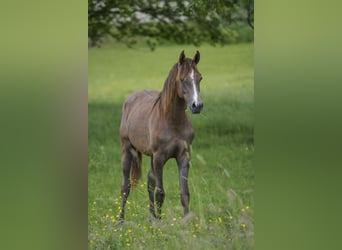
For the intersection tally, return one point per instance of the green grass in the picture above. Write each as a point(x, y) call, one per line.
point(221, 178)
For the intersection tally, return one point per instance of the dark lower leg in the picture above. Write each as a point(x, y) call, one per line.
point(125, 189)
point(158, 164)
point(185, 200)
point(184, 189)
point(160, 196)
point(126, 185)
point(151, 184)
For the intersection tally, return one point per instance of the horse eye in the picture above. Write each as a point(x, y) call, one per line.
point(183, 85)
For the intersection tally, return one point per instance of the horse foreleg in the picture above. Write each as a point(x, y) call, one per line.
point(158, 165)
point(183, 169)
point(151, 185)
point(126, 185)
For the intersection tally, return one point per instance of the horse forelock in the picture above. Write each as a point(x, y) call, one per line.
point(186, 67)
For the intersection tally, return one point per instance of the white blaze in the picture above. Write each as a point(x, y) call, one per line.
point(195, 97)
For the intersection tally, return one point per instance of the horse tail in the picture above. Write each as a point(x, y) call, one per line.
point(136, 168)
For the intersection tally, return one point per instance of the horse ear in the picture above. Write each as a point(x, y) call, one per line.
point(197, 57)
point(181, 57)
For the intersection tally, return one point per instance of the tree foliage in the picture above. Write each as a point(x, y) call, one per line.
point(191, 22)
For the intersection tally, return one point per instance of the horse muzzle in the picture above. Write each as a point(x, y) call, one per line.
point(196, 108)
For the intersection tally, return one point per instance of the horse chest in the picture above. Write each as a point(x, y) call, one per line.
point(174, 140)
point(186, 134)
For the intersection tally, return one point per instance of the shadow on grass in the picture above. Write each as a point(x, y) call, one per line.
point(222, 124)
point(223, 120)
point(103, 122)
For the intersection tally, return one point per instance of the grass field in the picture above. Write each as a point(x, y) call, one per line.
point(221, 178)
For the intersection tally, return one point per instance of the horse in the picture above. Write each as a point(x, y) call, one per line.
point(156, 124)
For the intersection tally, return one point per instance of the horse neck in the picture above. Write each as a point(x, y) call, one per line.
point(176, 112)
point(172, 106)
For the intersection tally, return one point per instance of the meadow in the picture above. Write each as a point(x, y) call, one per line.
point(221, 177)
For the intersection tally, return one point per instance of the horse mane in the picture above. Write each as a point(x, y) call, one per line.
point(169, 91)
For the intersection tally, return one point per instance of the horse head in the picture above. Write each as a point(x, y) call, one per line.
point(189, 79)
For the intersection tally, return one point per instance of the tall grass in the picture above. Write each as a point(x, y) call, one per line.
point(221, 176)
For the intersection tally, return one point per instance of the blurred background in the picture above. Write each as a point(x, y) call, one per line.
point(44, 50)
point(180, 22)
point(132, 46)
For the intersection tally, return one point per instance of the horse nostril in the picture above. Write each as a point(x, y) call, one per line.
point(200, 105)
point(193, 105)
